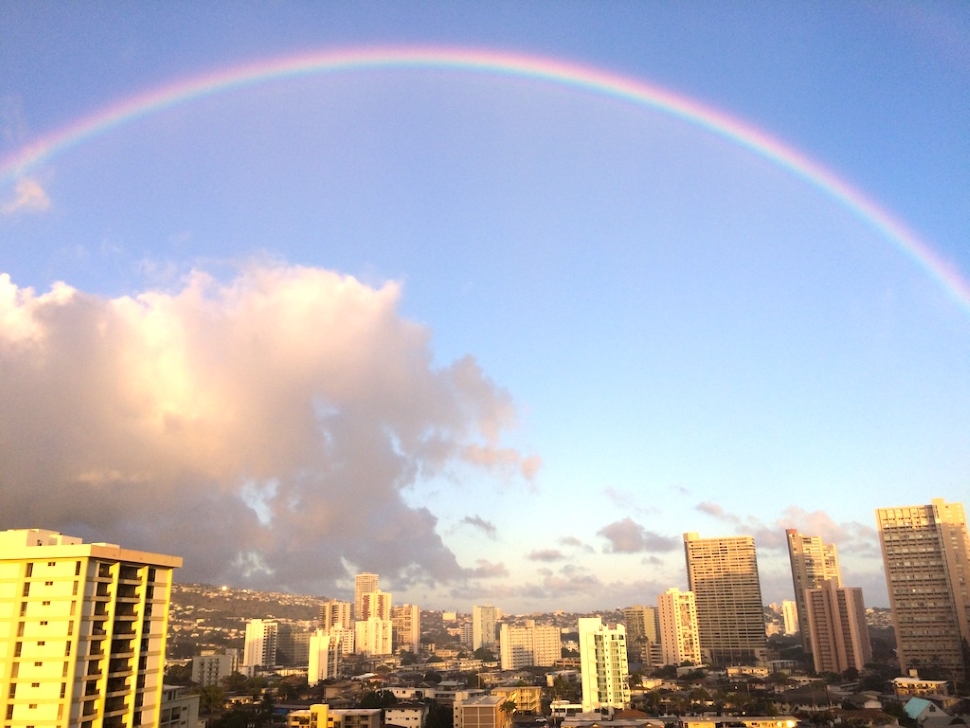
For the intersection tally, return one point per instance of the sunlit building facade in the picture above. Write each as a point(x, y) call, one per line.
point(82, 632)
point(723, 575)
point(603, 663)
point(836, 623)
point(812, 562)
point(926, 554)
point(679, 638)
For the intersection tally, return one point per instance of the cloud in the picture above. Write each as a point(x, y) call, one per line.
point(626, 501)
point(573, 542)
point(851, 536)
point(628, 537)
point(29, 197)
point(487, 526)
point(264, 428)
point(486, 570)
point(547, 555)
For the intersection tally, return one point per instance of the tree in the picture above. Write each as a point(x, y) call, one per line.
point(484, 654)
point(508, 707)
point(178, 675)
point(211, 697)
point(380, 699)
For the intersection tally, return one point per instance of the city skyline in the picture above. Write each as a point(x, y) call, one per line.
point(496, 301)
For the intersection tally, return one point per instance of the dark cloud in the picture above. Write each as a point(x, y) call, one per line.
point(627, 537)
point(487, 527)
point(547, 555)
point(264, 429)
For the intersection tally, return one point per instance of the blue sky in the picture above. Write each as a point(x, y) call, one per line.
point(495, 338)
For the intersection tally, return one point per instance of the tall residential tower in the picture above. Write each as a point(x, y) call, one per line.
point(82, 631)
point(723, 574)
point(602, 657)
point(812, 562)
point(926, 553)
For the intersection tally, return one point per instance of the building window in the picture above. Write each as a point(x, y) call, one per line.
point(32, 706)
point(41, 643)
point(48, 583)
point(45, 603)
point(35, 685)
point(43, 622)
point(52, 563)
point(38, 664)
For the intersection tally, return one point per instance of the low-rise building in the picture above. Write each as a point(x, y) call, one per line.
point(180, 708)
point(406, 715)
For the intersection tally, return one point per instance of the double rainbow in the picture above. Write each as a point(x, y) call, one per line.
point(510, 64)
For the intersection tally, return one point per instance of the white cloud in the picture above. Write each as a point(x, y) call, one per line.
point(29, 197)
point(264, 428)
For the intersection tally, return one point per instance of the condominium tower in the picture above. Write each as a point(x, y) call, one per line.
point(926, 553)
point(678, 628)
point(262, 639)
point(723, 575)
point(363, 584)
point(529, 644)
point(836, 624)
point(334, 613)
point(643, 635)
point(82, 631)
point(406, 620)
point(602, 658)
point(812, 562)
point(483, 627)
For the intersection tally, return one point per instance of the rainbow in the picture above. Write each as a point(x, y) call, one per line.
point(486, 61)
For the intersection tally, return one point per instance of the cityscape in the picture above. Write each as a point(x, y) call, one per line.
point(484, 364)
point(100, 634)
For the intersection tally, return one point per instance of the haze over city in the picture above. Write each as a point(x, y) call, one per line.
point(495, 300)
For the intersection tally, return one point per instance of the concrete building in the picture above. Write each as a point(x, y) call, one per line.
point(260, 646)
point(643, 635)
point(293, 645)
point(180, 708)
point(723, 575)
point(376, 604)
point(529, 645)
point(836, 623)
point(603, 664)
point(789, 615)
point(347, 638)
point(926, 554)
point(335, 613)
point(374, 637)
point(483, 627)
point(485, 711)
point(406, 714)
point(320, 715)
point(812, 562)
point(354, 718)
point(324, 657)
point(363, 584)
point(82, 632)
point(679, 638)
point(527, 698)
point(210, 669)
point(406, 622)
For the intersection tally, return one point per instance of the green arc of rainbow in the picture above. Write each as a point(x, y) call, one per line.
point(512, 64)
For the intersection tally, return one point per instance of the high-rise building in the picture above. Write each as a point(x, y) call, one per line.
point(374, 636)
point(679, 639)
point(529, 644)
point(334, 613)
point(723, 575)
point(376, 604)
point(260, 646)
point(211, 669)
point(483, 627)
point(325, 652)
point(926, 553)
point(82, 631)
point(643, 635)
point(812, 562)
point(363, 584)
point(406, 621)
point(789, 615)
point(836, 623)
point(602, 657)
